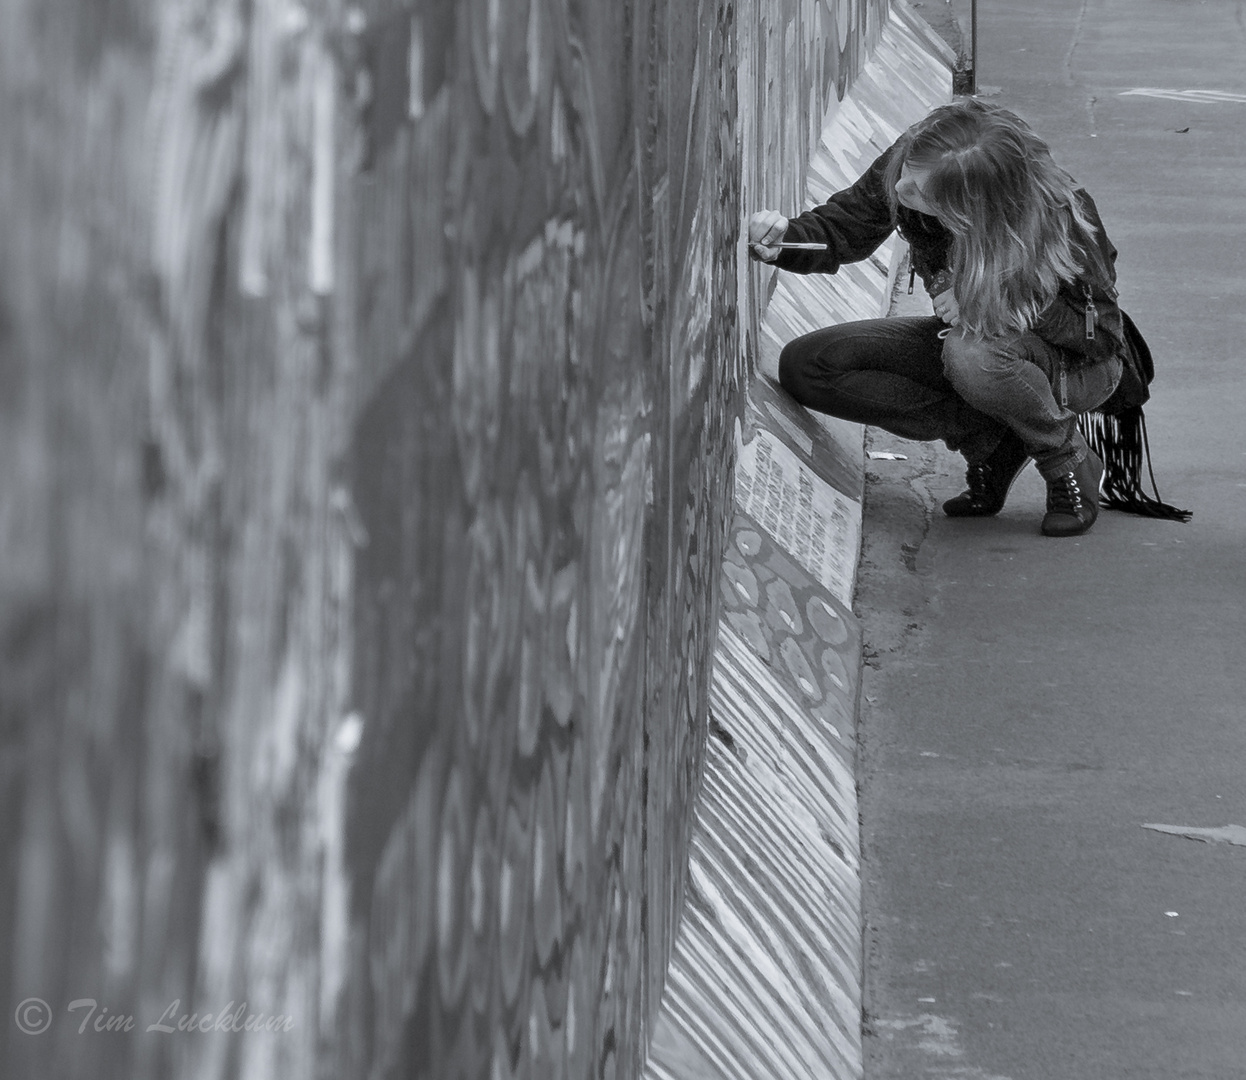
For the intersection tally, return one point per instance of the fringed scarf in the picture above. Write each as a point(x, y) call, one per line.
point(1120, 440)
point(1116, 431)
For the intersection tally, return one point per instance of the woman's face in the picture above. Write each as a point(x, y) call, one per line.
point(909, 188)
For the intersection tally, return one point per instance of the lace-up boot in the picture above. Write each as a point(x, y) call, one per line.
point(989, 480)
point(1073, 499)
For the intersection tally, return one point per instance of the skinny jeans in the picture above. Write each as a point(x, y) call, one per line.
point(899, 375)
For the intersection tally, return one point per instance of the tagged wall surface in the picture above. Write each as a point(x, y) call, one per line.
point(373, 375)
point(540, 463)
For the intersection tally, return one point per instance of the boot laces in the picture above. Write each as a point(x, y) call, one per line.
point(1065, 494)
point(978, 477)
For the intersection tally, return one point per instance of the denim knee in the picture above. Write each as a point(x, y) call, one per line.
point(792, 370)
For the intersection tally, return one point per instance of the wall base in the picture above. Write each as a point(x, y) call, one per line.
point(765, 980)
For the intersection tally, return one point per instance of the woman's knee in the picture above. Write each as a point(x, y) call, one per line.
point(812, 363)
point(794, 363)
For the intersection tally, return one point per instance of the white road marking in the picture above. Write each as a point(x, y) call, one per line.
point(1202, 97)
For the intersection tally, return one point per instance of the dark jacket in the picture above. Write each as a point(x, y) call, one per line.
point(854, 222)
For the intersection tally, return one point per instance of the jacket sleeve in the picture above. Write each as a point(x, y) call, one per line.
point(1064, 321)
point(851, 223)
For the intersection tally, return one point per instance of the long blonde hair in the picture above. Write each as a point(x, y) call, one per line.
point(1018, 229)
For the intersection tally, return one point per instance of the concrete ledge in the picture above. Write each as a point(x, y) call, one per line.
point(766, 974)
point(765, 980)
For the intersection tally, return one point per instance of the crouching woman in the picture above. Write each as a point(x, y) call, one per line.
point(1026, 332)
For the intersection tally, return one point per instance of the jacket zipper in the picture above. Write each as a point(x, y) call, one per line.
point(1091, 312)
point(912, 278)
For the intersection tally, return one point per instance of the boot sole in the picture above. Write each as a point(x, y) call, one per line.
point(1060, 531)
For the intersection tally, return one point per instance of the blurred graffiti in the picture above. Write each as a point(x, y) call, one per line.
point(374, 372)
point(542, 472)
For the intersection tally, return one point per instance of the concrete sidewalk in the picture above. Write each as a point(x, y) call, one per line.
point(1029, 703)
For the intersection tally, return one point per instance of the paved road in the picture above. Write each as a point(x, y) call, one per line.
point(1036, 701)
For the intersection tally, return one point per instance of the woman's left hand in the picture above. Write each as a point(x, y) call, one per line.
point(946, 308)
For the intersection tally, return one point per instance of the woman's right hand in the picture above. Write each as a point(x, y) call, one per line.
point(947, 308)
point(765, 230)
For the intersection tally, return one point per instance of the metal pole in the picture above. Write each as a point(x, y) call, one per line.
point(973, 84)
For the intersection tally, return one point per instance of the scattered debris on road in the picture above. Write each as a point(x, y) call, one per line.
point(1226, 834)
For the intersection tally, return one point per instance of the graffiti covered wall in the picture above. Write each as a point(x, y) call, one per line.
point(797, 60)
point(373, 378)
point(541, 466)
